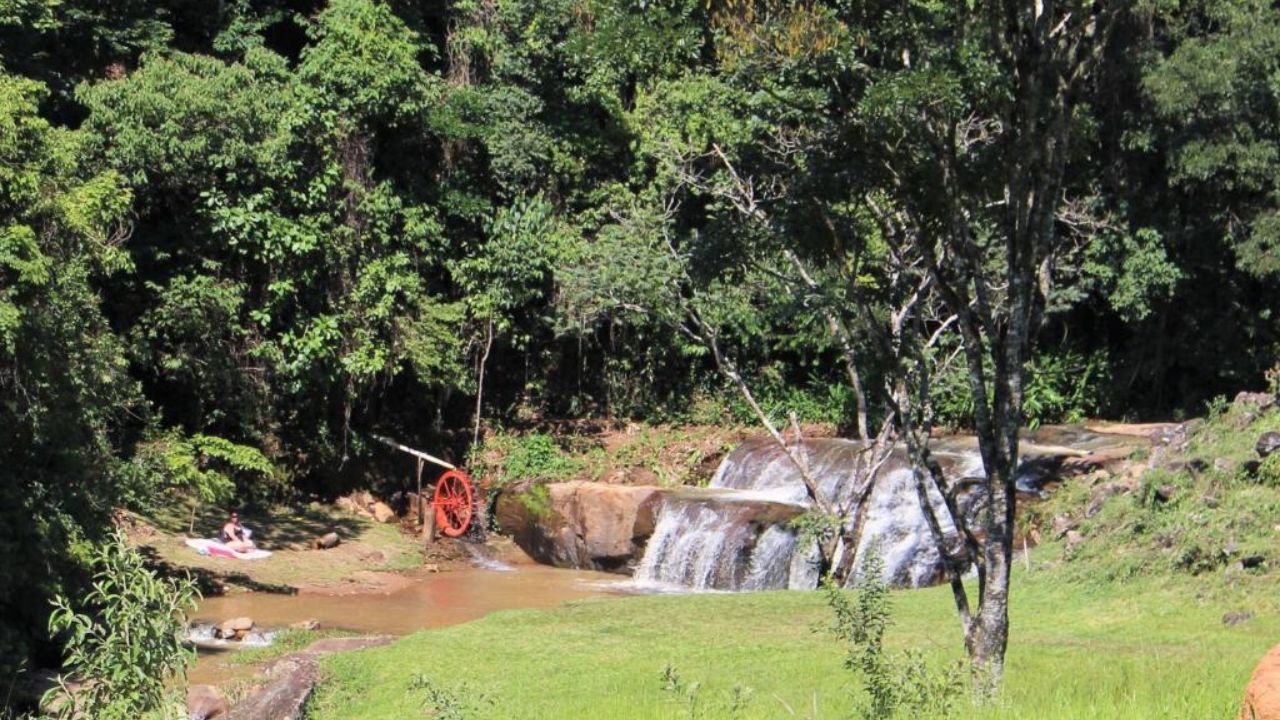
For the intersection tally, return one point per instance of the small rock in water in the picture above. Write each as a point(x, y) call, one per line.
point(235, 628)
point(1232, 619)
point(1267, 444)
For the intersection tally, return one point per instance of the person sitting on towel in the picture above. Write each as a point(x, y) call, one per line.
point(234, 535)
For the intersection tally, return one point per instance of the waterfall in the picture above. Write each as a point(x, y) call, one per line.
point(734, 535)
point(696, 545)
point(771, 559)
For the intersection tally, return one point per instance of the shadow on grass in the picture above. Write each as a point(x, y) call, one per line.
point(211, 582)
point(277, 529)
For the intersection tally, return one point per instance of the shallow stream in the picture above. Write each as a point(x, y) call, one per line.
point(430, 601)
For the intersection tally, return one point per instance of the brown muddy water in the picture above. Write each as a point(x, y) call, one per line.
point(448, 598)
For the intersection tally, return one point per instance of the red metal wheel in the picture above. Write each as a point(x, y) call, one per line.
point(453, 503)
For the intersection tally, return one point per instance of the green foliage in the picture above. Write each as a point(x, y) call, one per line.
point(904, 686)
point(1216, 92)
point(444, 703)
point(535, 456)
point(814, 525)
point(1268, 472)
point(67, 400)
point(689, 696)
point(234, 240)
point(200, 469)
point(128, 640)
point(537, 500)
point(1066, 386)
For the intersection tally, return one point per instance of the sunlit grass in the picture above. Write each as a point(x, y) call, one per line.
point(1148, 650)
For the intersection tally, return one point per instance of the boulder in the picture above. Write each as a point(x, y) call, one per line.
point(328, 646)
point(1232, 619)
point(205, 702)
point(228, 629)
point(1102, 494)
point(326, 541)
point(382, 512)
point(1061, 525)
point(1255, 400)
point(1268, 443)
point(581, 525)
point(1262, 694)
point(290, 682)
point(349, 504)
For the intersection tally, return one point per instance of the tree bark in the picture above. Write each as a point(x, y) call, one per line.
point(484, 360)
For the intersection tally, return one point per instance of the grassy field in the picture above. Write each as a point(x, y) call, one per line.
point(1146, 649)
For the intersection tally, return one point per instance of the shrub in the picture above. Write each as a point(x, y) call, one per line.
point(896, 687)
point(127, 642)
point(536, 456)
point(443, 703)
point(1063, 386)
point(689, 695)
point(1268, 474)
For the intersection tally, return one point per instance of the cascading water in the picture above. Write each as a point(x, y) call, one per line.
point(735, 535)
point(700, 543)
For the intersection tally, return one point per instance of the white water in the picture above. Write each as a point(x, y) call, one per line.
point(731, 537)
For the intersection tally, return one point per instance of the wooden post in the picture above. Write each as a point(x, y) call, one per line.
point(426, 513)
point(429, 526)
point(422, 518)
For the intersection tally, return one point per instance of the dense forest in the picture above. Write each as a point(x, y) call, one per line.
point(237, 238)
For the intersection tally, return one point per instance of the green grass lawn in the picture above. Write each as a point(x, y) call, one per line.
point(1146, 649)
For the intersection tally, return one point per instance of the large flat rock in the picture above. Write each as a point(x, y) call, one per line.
point(583, 525)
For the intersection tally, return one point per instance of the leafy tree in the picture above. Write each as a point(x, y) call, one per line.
point(66, 393)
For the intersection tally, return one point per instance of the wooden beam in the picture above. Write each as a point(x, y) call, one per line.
point(416, 453)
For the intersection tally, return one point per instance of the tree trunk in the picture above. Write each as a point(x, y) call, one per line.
point(988, 633)
point(484, 360)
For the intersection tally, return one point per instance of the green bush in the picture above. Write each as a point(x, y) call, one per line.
point(459, 703)
point(902, 686)
point(536, 456)
point(537, 500)
point(1062, 386)
point(127, 640)
point(1268, 473)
